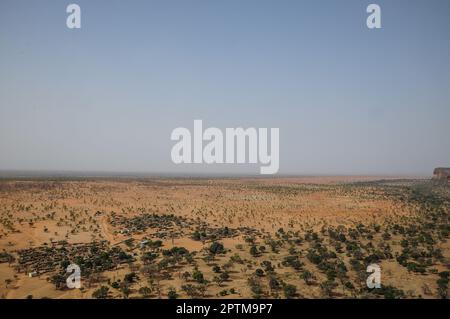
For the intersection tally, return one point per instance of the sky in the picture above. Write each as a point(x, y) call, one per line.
point(106, 97)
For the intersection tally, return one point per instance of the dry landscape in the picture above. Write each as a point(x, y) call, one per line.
point(303, 237)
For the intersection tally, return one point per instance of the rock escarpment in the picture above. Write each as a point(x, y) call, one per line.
point(442, 174)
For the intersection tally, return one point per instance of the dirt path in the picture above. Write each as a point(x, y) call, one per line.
point(104, 226)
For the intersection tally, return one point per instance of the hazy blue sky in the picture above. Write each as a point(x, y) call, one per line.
point(107, 97)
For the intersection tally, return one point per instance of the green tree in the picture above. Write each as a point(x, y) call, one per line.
point(197, 275)
point(216, 248)
point(172, 293)
point(145, 291)
point(101, 293)
point(289, 291)
point(254, 251)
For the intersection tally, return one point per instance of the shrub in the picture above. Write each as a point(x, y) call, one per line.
point(145, 291)
point(129, 278)
point(224, 276)
point(197, 275)
point(148, 257)
point(115, 285)
point(267, 266)
point(292, 261)
point(175, 251)
point(289, 291)
point(254, 251)
point(274, 284)
point(259, 272)
point(216, 248)
point(172, 294)
point(307, 276)
point(101, 293)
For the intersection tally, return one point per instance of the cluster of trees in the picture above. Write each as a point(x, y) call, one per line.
point(101, 293)
point(212, 234)
point(194, 291)
point(6, 258)
point(442, 283)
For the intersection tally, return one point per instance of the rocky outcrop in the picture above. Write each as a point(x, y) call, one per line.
point(442, 174)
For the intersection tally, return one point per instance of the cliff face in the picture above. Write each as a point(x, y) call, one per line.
point(442, 174)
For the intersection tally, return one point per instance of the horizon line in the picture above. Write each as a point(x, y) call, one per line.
point(16, 173)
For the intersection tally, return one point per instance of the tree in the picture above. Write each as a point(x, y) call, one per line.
point(307, 276)
point(59, 280)
point(254, 251)
point(202, 289)
point(172, 294)
point(289, 291)
point(130, 278)
point(224, 276)
point(292, 261)
point(218, 280)
point(197, 275)
point(115, 285)
point(259, 272)
point(196, 236)
point(216, 248)
point(145, 291)
point(7, 282)
point(327, 287)
point(125, 289)
point(149, 257)
point(442, 283)
point(129, 242)
point(274, 284)
point(255, 287)
point(190, 290)
point(186, 275)
point(267, 266)
point(101, 293)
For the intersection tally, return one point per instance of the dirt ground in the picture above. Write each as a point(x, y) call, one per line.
point(37, 213)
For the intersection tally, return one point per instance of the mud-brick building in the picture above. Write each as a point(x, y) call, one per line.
point(442, 174)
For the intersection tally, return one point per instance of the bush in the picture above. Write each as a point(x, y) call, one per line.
point(129, 242)
point(224, 276)
point(307, 276)
point(390, 292)
point(289, 291)
point(175, 251)
point(415, 267)
point(223, 293)
point(197, 275)
point(216, 248)
point(172, 294)
point(196, 236)
point(254, 251)
point(115, 285)
point(129, 278)
point(259, 272)
point(349, 285)
point(442, 283)
point(155, 244)
point(292, 261)
point(145, 291)
point(274, 284)
point(101, 293)
point(267, 266)
point(148, 257)
point(327, 287)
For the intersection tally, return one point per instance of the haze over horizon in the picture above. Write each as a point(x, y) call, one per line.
point(105, 98)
